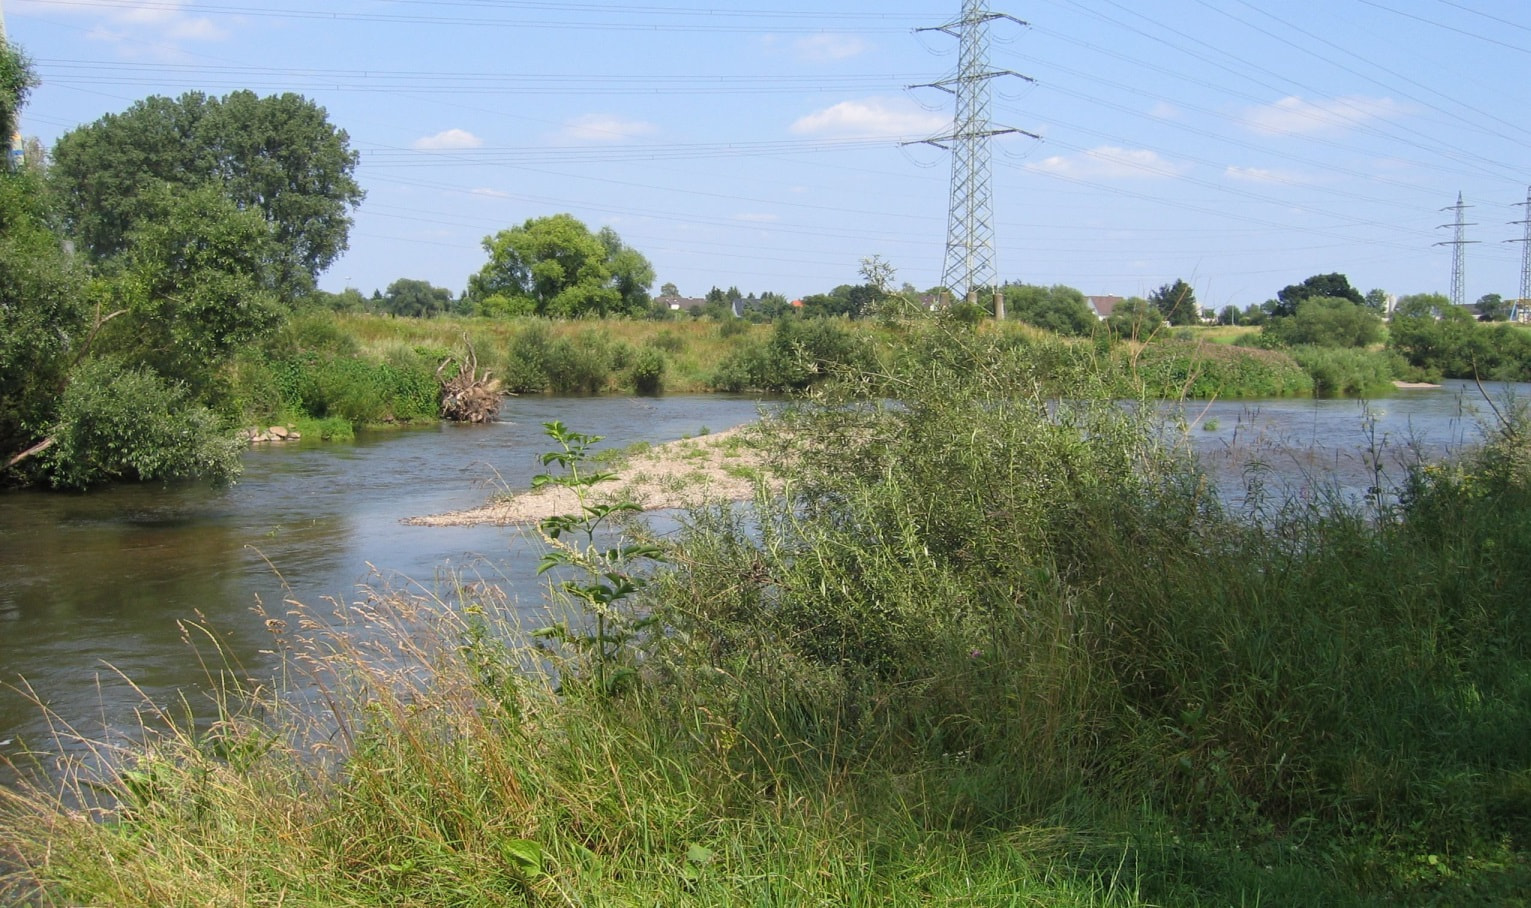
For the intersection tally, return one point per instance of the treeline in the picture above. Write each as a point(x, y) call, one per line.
point(157, 247)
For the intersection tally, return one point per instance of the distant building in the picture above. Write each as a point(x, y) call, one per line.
point(1103, 306)
point(680, 303)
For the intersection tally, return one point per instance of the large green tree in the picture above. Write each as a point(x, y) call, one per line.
point(16, 81)
point(1326, 321)
point(1332, 285)
point(276, 155)
point(1177, 302)
point(415, 298)
point(554, 266)
point(1059, 308)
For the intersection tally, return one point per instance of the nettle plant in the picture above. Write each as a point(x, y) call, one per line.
point(601, 581)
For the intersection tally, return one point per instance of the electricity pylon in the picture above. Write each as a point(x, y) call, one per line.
point(1459, 255)
point(970, 218)
point(1525, 253)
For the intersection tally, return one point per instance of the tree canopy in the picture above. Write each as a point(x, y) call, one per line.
point(1327, 321)
point(554, 266)
point(419, 299)
point(1059, 308)
point(1177, 302)
point(277, 155)
point(1331, 285)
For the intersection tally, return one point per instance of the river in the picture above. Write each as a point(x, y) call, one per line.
point(94, 588)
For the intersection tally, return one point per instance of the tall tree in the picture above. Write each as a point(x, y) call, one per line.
point(16, 82)
point(277, 155)
point(1059, 308)
point(417, 299)
point(554, 266)
point(1331, 285)
point(1177, 302)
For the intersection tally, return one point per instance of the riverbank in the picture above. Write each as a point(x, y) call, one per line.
point(686, 473)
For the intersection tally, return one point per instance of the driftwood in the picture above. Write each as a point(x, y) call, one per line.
point(468, 396)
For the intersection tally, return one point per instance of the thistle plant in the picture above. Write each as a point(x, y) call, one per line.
point(602, 581)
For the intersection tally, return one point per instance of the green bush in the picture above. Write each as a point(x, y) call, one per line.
point(358, 390)
point(122, 423)
point(1342, 372)
point(799, 353)
point(1173, 369)
point(646, 373)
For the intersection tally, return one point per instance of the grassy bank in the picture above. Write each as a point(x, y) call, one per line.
point(989, 649)
point(332, 373)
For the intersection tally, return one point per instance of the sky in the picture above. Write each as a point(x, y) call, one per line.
point(772, 146)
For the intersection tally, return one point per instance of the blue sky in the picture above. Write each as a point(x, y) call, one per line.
point(1240, 146)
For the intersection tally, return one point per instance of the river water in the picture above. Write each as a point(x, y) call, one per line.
point(93, 588)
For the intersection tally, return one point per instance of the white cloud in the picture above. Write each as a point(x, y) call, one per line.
point(872, 118)
point(1109, 163)
point(1263, 175)
point(448, 140)
point(139, 29)
point(825, 48)
point(488, 193)
point(1296, 116)
point(605, 128)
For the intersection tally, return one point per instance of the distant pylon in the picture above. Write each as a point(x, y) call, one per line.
point(970, 217)
point(1458, 255)
point(1525, 252)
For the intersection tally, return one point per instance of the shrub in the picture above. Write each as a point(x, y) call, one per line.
point(122, 423)
point(646, 374)
point(799, 353)
point(1346, 372)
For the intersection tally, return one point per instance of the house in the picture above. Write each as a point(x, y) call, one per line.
point(680, 303)
point(1102, 306)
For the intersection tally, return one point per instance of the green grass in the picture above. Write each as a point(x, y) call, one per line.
point(990, 648)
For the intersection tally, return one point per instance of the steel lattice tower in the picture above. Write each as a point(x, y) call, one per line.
point(1525, 252)
point(970, 219)
point(1458, 253)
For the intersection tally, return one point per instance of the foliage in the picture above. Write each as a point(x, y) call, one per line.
point(16, 81)
point(1491, 307)
point(416, 299)
point(554, 266)
point(1347, 372)
point(604, 581)
point(1438, 339)
point(1326, 321)
point(646, 372)
point(278, 156)
point(1177, 302)
point(798, 354)
point(1194, 369)
point(1059, 309)
point(993, 646)
point(1326, 285)
point(43, 314)
point(118, 422)
point(191, 290)
point(1135, 318)
point(845, 301)
point(359, 390)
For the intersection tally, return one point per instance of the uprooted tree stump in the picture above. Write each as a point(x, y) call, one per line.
point(467, 396)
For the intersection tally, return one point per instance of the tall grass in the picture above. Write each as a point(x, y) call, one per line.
point(990, 647)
